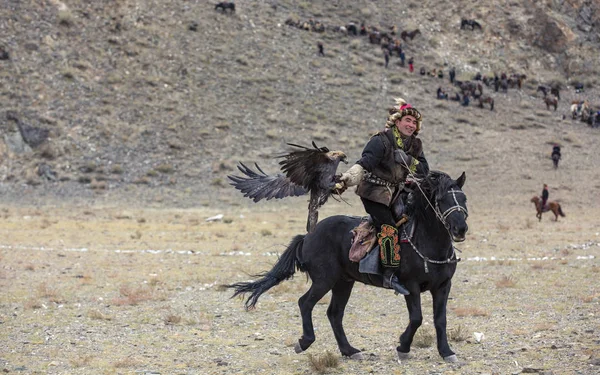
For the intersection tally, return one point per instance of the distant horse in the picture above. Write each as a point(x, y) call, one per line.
point(224, 5)
point(555, 90)
point(409, 34)
point(473, 88)
point(551, 101)
point(428, 263)
point(469, 23)
point(375, 37)
point(352, 29)
point(486, 99)
point(550, 206)
point(555, 159)
point(516, 80)
point(543, 89)
point(580, 109)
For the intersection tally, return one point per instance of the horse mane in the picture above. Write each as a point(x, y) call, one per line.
point(433, 185)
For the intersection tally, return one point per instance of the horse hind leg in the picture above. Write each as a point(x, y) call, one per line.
point(306, 303)
point(335, 312)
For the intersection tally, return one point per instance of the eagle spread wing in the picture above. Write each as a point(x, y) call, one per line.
point(305, 170)
point(259, 185)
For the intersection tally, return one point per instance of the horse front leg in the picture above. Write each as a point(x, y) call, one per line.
point(415, 319)
point(335, 312)
point(440, 302)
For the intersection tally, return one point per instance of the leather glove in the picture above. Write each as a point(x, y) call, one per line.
point(352, 176)
point(402, 158)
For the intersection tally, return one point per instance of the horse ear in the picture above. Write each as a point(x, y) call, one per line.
point(461, 180)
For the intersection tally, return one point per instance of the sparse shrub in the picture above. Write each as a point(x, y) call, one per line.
point(65, 18)
point(424, 338)
point(142, 181)
point(81, 361)
point(323, 363)
point(458, 334)
point(68, 73)
point(218, 182)
point(172, 319)
point(266, 232)
point(355, 43)
point(32, 304)
point(98, 315)
point(506, 282)
point(165, 168)
point(470, 311)
point(359, 70)
point(126, 362)
point(116, 169)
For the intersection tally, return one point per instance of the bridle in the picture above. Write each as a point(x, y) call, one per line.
point(442, 216)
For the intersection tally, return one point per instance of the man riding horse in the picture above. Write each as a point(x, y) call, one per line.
point(387, 159)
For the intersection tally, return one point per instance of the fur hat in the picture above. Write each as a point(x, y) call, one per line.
point(401, 109)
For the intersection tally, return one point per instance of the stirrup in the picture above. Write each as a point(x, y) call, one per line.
point(398, 288)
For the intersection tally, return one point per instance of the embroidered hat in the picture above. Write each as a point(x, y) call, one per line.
point(401, 109)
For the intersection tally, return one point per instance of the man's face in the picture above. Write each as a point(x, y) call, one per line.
point(407, 125)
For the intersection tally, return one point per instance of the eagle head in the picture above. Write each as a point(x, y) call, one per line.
point(337, 156)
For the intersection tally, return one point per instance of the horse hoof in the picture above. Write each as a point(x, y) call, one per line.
point(402, 356)
point(298, 348)
point(451, 358)
point(358, 356)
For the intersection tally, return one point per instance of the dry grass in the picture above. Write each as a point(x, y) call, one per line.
point(458, 334)
point(127, 362)
point(141, 295)
point(133, 296)
point(469, 311)
point(424, 338)
point(322, 364)
point(506, 282)
point(172, 319)
point(98, 315)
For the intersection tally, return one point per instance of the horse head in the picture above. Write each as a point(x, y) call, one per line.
point(449, 201)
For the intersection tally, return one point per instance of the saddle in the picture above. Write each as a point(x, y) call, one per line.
point(365, 240)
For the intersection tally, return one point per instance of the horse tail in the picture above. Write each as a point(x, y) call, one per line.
point(282, 270)
point(560, 211)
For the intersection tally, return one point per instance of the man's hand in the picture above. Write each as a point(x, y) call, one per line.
point(339, 188)
point(402, 158)
point(352, 176)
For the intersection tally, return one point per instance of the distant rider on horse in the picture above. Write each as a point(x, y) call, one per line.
point(544, 197)
point(381, 173)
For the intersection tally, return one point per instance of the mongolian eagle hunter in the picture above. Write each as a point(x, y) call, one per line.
point(304, 170)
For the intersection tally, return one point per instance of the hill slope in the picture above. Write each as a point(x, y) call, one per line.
point(155, 101)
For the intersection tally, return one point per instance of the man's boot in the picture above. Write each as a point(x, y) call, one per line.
point(390, 281)
point(389, 249)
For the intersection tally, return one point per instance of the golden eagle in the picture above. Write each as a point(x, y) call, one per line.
point(304, 170)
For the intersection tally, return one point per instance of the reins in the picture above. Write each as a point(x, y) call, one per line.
point(442, 216)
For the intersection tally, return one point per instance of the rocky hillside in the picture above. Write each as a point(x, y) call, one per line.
point(147, 101)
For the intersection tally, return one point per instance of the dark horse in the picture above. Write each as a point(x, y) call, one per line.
point(551, 102)
point(409, 34)
point(224, 5)
point(550, 206)
point(555, 159)
point(428, 263)
point(486, 99)
point(470, 23)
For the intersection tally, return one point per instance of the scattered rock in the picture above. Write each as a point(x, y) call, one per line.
point(218, 217)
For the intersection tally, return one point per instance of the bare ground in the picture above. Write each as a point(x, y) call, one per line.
point(115, 291)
